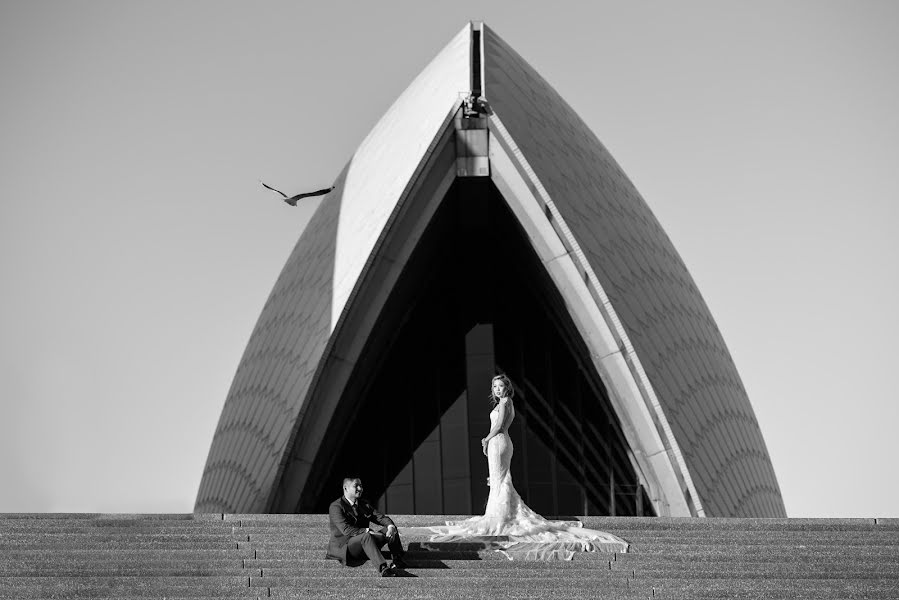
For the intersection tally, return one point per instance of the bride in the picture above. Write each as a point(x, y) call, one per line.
point(529, 535)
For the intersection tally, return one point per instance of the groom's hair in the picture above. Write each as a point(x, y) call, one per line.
point(348, 480)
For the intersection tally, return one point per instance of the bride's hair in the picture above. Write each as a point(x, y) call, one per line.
point(510, 389)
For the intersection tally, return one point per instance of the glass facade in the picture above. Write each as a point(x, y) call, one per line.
point(475, 300)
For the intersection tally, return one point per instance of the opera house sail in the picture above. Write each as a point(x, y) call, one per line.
point(482, 227)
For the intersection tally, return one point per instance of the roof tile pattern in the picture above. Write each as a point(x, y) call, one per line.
point(282, 355)
point(664, 314)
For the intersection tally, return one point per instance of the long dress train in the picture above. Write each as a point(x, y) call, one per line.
point(511, 527)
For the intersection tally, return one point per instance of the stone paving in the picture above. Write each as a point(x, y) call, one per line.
point(282, 556)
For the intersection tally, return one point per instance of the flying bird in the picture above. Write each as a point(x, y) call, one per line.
point(293, 199)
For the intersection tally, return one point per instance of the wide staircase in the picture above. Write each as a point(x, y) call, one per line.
point(282, 556)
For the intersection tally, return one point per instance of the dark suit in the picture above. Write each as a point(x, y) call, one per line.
point(351, 541)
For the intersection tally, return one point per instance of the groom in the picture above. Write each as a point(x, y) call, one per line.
point(353, 539)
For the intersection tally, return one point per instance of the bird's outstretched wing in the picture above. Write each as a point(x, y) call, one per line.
point(293, 199)
point(273, 189)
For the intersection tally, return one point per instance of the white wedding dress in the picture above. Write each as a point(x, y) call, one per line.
point(510, 526)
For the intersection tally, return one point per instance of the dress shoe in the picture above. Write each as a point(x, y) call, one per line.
point(388, 571)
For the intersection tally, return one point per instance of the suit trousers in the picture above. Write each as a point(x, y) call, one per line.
point(369, 545)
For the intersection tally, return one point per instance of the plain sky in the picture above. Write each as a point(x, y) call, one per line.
point(137, 247)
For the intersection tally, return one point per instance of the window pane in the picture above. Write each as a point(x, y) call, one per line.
point(428, 481)
point(454, 440)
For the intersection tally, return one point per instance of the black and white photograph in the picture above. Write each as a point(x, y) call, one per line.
point(514, 299)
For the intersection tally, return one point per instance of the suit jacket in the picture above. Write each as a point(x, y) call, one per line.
point(347, 521)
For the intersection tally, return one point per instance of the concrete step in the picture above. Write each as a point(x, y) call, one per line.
point(579, 561)
point(597, 593)
point(754, 549)
point(250, 556)
point(881, 537)
point(581, 571)
point(492, 588)
point(756, 552)
point(448, 578)
point(839, 555)
point(159, 570)
point(602, 523)
point(122, 517)
point(109, 527)
point(766, 589)
point(474, 584)
point(765, 571)
point(122, 544)
point(759, 552)
point(86, 564)
point(30, 587)
point(426, 550)
point(106, 534)
point(119, 558)
point(319, 553)
point(129, 553)
point(457, 568)
point(729, 524)
point(560, 570)
point(392, 589)
point(286, 520)
point(304, 566)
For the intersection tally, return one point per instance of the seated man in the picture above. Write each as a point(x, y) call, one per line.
point(352, 539)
